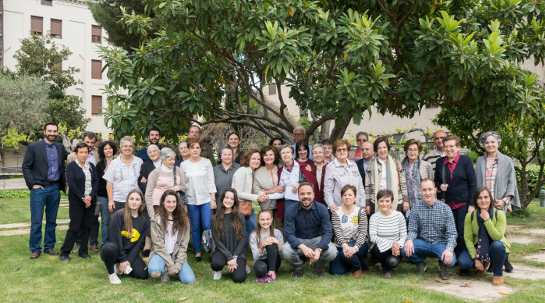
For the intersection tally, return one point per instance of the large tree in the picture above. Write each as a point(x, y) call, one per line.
point(213, 60)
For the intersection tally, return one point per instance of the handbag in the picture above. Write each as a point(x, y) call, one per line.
point(180, 193)
point(245, 207)
point(98, 208)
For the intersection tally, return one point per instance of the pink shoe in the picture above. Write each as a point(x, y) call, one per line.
point(268, 278)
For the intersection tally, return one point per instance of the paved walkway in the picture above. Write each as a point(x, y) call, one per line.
point(13, 184)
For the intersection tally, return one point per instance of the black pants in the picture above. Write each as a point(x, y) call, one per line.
point(386, 258)
point(459, 219)
point(93, 232)
point(117, 206)
point(219, 261)
point(262, 267)
point(110, 256)
point(80, 221)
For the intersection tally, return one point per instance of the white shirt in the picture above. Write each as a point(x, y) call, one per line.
point(91, 157)
point(157, 163)
point(123, 178)
point(199, 179)
point(383, 176)
point(170, 239)
point(289, 180)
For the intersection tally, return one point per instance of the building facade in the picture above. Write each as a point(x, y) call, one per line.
point(69, 23)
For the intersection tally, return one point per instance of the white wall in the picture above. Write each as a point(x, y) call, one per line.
point(77, 22)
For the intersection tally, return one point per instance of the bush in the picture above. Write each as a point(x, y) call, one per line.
point(521, 213)
point(473, 156)
point(19, 194)
point(532, 173)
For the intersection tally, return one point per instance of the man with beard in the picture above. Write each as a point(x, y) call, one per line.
point(154, 136)
point(43, 169)
point(308, 232)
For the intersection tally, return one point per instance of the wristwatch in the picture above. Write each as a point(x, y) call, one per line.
point(235, 257)
point(506, 200)
point(357, 247)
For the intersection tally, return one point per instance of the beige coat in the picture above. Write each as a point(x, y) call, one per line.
point(179, 256)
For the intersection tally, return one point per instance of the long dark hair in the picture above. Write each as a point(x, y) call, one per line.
point(220, 215)
point(257, 229)
point(304, 144)
point(127, 212)
point(179, 215)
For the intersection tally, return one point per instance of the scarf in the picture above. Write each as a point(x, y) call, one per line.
point(391, 183)
point(483, 245)
point(413, 179)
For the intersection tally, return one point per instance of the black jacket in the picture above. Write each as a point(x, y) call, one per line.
point(75, 178)
point(465, 181)
point(145, 170)
point(359, 164)
point(35, 164)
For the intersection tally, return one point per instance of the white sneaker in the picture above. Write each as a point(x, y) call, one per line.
point(114, 279)
point(116, 268)
point(165, 278)
point(248, 270)
point(217, 275)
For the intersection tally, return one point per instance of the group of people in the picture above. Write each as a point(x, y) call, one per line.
point(324, 203)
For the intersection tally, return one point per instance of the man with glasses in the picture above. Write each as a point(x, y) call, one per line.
point(298, 135)
point(357, 154)
point(438, 151)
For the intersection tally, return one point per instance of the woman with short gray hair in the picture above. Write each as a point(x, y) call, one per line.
point(496, 172)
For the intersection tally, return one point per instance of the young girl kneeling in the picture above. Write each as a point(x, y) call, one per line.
point(170, 237)
point(266, 244)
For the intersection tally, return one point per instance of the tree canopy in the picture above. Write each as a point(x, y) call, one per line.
point(212, 59)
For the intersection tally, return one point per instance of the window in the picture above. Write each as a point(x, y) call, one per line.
point(272, 89)
point(47, 2)
point(96, 107)
point(37, 25)
point(96, 69)
point(56, 28)
point(97, 34)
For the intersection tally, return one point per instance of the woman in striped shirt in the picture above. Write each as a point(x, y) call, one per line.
point(350, 227)
point(388, 232)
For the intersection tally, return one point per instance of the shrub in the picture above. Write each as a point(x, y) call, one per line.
point(532, 173)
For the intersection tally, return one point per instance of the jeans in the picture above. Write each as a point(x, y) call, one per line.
point(296, 256)
point(386, 259)
point(459, 218)
point(423, 249)
point(497, 257)
point(251, 224)
point(198, 214)
point(341, 265)
point(289, 203)
point(49, 197)
point(81, 219)
point(104, 215)
point(157, 264)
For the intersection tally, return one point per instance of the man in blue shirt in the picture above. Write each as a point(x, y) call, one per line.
point(432, 232)
point(43, 170)
point(154, 136)
point(308, 232)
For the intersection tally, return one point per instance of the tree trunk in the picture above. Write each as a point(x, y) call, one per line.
point(340, 128)
point(325, 130)
point(523, 186)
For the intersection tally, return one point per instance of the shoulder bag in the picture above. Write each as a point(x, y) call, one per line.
point(245, 207)
point(180, 193)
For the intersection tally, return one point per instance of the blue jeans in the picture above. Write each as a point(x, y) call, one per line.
point(497, 257)
point(251, 224)
point(423, 249)
point(198, 214)
point(341, 264)
point(49, 197)
point(157, 264)
point(104, 214)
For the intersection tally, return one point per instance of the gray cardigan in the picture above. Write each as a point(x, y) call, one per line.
point(242, 182)
point(506, 179)
point(263, 181)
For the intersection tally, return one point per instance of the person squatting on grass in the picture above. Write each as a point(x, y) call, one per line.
point(128, 229)
point(350, 228)
point(266, 244)
point(170, 237)
point(228, 233)
point(308, 231)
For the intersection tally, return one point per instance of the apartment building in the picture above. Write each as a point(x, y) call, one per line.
point(71, 24)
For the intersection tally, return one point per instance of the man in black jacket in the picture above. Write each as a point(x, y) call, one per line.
point(367, 155)
point(43, 169)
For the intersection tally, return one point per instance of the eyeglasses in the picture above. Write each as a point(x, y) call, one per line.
point(342, 150)
point(450, 146)
point(413, 150)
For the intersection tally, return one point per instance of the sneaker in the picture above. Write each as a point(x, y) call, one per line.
point(217, 275)
point(165, 278)
point(421, 268)
point(206, 240)
point(268, 278)
point(114, 279)
point(497, 281)
point(444, 272)
point(298, 273)
point(248, 270)
point(319, 271)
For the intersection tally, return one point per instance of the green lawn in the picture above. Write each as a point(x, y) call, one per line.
point(16, 210)
point(47, 279)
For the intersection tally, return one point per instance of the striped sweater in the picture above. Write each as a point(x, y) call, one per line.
point(384, 230)
point(360, 236)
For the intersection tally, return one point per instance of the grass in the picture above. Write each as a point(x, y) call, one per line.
point(16, 210)
point(536, 219)
point(47, 279)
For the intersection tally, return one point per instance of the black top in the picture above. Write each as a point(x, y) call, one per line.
point(75, 178)
point(128, 248)
point(463, 183)
point(178, 162)
point(101, 166)
point(145, 170)
point(35, 165)
point(229, 245)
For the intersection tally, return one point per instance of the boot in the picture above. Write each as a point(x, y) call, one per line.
point(508, 266)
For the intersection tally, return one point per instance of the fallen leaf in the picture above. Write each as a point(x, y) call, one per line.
point(468, 283)
point(503, 292)
point(217, 287)
point(407, 301)
point(183, 298)
point(198, 279)
point(16, 269)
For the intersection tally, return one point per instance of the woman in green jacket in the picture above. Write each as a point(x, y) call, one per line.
point(484, 236)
